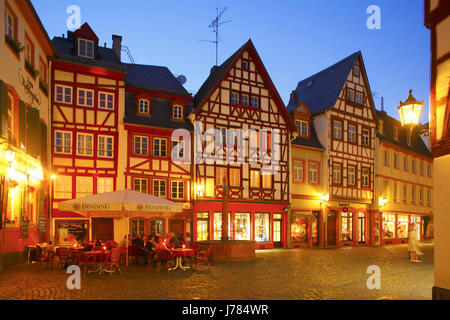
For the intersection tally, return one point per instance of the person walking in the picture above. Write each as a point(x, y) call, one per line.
point(413, 248)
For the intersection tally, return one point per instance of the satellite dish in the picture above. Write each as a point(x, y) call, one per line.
point(182, 79)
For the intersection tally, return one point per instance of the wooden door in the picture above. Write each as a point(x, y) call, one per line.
point(103, 229)
point(176, 226)
point(331, 228)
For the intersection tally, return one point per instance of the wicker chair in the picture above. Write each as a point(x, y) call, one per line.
point(164, 259)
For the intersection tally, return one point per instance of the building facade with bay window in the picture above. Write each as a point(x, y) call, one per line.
point(25, 49)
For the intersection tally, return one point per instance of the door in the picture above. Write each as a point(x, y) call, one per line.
point(361, 228)
point(331, 228)
point(176, 226)
point(277, 231)
point(103, 229)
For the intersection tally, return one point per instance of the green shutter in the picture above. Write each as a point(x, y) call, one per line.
point(33, 132)
point(22, 122)
point(44, 155)
point(3, 110)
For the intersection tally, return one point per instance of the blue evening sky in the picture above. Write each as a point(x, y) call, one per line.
point(295, 38)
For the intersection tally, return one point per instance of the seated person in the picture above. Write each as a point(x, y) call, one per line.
point(160, 245)
point(181, 239)
point(150, 247)
point(173, 240)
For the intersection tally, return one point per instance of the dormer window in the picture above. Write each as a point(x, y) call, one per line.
point(144, 106)
point(177, 112)
point(86, 48)
point(302, 128)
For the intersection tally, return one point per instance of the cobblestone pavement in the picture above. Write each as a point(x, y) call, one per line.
point(276, 274)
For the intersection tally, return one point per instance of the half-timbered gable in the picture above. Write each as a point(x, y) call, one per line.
point(87, 101)
point(343, 112)
point(158, 158)
point(240, 95)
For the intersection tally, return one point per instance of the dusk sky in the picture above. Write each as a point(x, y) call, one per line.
point(295, 39)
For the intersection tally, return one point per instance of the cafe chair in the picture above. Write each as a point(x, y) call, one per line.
point(164, 259)
point(112, 262)
point(64, 257)
point(202, 257)
point(84, 261)
point(134, 251)
point(45, 255)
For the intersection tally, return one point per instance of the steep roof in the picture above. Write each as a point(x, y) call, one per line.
point(320, 91)
point(155, 78)
point(312, 141)
point(417, 144)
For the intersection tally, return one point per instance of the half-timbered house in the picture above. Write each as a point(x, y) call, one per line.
point(87, 106)
point(343, 112)
point(157, 160)
point(241, 138)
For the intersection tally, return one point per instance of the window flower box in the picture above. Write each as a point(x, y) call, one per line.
point(15, 45)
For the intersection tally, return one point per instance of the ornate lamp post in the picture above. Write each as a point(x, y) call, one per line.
point(410, 112)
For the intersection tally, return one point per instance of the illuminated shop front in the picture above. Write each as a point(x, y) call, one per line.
point(347, 226)
point(395, 227)
point(68, 231)
point(304, 230)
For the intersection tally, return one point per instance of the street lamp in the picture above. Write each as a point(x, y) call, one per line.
point(9, 155)
point(410, 111)
point(324, 198)
point(382, 201)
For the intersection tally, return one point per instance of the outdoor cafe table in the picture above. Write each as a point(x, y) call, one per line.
point(100, 258)
point(179, 254)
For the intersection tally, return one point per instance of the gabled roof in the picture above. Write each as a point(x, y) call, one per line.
point(321, 91)
point(86, 32)
point(218, 73)
point(153, 78)
point(417, 144)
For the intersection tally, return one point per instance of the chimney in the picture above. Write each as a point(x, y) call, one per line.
point(294, 97)
point(117, 45)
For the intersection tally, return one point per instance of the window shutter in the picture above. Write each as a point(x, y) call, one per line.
point(33, 132)
point(44, 154)
point(3, 110)
point(22, 122)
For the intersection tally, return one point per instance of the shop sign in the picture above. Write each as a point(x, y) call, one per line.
point(42, 224)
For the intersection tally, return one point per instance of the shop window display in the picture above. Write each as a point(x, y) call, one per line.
point(202, 226)
point(299, 230)
point(262, 230)
point(388, 226)
point(218, 225)
point(67, 231)
point(402, 226)
point(242, 226)
point(346, 226)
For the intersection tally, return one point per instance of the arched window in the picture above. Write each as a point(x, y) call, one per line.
point(144, 106)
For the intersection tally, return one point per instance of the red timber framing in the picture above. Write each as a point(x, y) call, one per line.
point(89, 119)
point(244, 98)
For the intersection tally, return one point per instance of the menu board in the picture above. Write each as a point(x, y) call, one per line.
point(42, 224)
point(23, 229)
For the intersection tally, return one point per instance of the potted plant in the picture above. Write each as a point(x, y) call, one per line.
point(15, 45)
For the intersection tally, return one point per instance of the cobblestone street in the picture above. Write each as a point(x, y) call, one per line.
point(276, 274)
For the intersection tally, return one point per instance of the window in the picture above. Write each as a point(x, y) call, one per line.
point(262, 230)
point(299, 230)
point(313, 172)
point(299, 167)
point(235, 177)
point(63, 187)
point(302, 128)
point(140, 145)
point(254, 102)
point(366, 137)
point(413, 194)
point(105, 146)
point(386, 158)
point(10, 103)
point(405, 163)
point(356, 71)
point(221, 135)
point(337, 130)
point(267, 180)
point(413, 166)
point(177, 112)
point(351, 176)
point(396, 164)
point(85, 48)
point(396, 133)
point(63, 142)
point(202, 226)
point(244, 65)
point(10, 24)
point(242, 226)
point(159, 147)
point(346, 226)
point(421, 196)
point(140, 185)
point(359, 98)
point(402, 226)
point(408, 139)
point(85, 186)
point(234, 98)
point(63, 94)
point(85, 97)
point(177, 150)
point(350, 95)
point(159, 188)
point(337, 173)
point(422, 169)
point(388, 226)
point(29, 50)
point(43, 70)
point(218, 225)
point(365, 178)
point(221, 174)
point(244, 99)
point(395, 192)
point(429, 197)
point(255, 178)
point(106, 100)
point(144, 106)
point(177, 190)
point(405, 194)
point(85, 144)
point(156, 227)
point(429, 170)
point(351, 133)
point(105, 185)
point(137, 227)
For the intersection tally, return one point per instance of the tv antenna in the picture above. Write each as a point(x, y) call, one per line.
point(215, 24)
